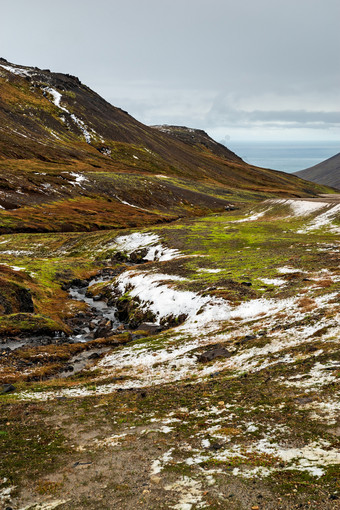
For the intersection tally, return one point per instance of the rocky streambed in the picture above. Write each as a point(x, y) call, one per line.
point(104, 324)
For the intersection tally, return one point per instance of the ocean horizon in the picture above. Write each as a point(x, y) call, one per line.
point(285, 156)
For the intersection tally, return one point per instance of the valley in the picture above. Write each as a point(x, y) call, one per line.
point(169, 315)
point(236, 405)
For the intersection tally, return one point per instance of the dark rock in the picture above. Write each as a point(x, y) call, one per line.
point(109, 271)
point(120, 257)
point(246, 339)
point(68, 368)
point(333, 497)
point(79, 283)
point(103, 322)
point(246, 284)
point(152, 329)
point(77, 331)
point(217, 352)
point(173, 320)
point(25, 301)
point(104, 329)
point(215, 446)
point(7, 388)
point(137, 337)
point(137, 257)
point(250, 337)
point(94, 355)
point(81, 464)
point(90, 336)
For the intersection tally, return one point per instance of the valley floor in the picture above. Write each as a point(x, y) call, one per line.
point(232, 403)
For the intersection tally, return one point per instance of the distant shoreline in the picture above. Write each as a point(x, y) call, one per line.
point(285, 156)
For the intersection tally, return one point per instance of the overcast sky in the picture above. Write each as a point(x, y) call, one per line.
point(240, 69)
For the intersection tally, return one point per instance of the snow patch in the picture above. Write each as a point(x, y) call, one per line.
point(323, 220)
point(305, 207)
point(79, 178)
point(261, 306)
point(163, 300)
point(274, 281)
point(5, 494)
point(158, 464)
point(56, 98)
point(137, 240)
point(45, 506)
point(319, 375)
point(206, 270)
point(16, 70)
point(190, 491)
point(287, 270)
point(252, 217)
point(328, 411)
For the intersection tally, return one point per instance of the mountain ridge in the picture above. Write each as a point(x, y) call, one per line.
point(65, 151)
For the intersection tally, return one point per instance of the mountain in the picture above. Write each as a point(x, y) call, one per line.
point(171, 364)
point(327, 172)
point(70, 161)
point(199, 139)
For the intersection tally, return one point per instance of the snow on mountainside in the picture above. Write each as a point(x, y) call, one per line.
point(52, 127)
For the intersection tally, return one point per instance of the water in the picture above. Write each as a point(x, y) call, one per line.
point(286, 156)
point(100, 308)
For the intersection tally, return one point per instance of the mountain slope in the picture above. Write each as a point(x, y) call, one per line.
point(327, 172)
point(199, 139)
point(71, 161)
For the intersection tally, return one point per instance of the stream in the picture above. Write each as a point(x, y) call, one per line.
point(99, 320)
point(100, 317)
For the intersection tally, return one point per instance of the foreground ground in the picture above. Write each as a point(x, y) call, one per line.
point(234, 404)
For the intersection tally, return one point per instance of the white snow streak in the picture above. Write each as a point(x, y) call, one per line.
point(323, 220)
point(137, 241)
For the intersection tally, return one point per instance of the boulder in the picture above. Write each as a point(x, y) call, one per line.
point(216, 352)
point(104, 329)
point(7, 388)
point(137, 257)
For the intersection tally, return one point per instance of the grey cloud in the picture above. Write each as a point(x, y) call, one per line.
point(165, 61)
point(289, 117)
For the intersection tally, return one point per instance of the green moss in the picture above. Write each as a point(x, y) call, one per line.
point(27, 323)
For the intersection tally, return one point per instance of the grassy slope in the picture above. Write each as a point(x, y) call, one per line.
point(234, 408)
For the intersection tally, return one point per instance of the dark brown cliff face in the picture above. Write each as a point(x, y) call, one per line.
point(199, 139)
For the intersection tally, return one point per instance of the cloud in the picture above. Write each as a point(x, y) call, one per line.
point(202, 63)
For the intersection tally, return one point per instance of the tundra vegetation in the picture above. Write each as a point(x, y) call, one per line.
point(168, 339)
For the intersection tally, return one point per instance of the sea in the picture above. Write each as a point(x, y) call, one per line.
point(286, 156)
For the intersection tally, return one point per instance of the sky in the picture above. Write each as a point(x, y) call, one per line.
point(240, 69)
